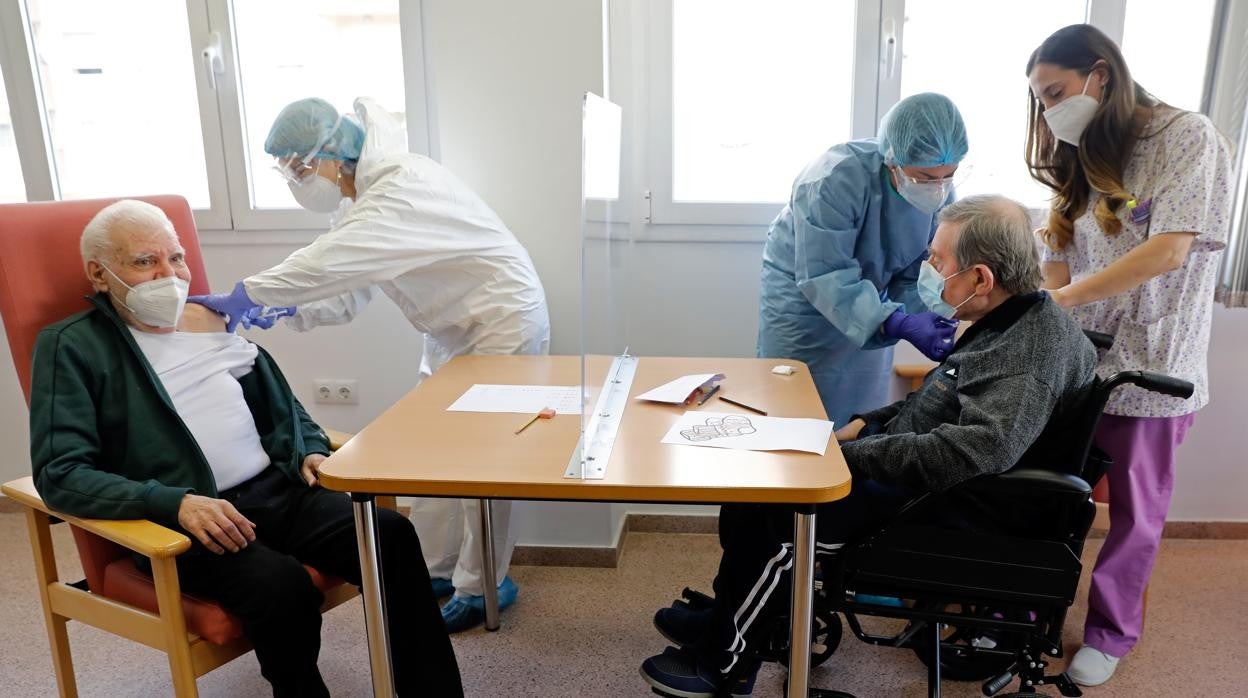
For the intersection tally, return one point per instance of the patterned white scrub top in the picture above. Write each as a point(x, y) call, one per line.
point(1182, 172)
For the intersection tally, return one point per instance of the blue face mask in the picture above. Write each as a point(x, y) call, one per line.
point(932, 291)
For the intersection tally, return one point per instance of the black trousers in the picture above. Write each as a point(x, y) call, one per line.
point(753, 584)
point(266, 586)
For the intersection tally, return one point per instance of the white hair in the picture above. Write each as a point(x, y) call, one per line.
point(127, 215)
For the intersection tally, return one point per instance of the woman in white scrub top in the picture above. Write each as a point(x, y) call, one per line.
point(1140, 214)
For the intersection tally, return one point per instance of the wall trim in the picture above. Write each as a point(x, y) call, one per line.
point(609, 556)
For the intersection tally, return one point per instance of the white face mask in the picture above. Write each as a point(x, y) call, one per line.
point(928, 197)
point(316, 193)
point(1069, 118)
point(158, 302)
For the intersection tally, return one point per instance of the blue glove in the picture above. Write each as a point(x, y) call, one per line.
point(928, 332)
point(264, 317)
point(234, 305)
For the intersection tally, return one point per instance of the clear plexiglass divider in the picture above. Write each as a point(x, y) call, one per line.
point(606, 368)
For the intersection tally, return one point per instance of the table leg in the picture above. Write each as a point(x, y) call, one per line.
point(371, 590)
point(803, 601)
point(489, 580)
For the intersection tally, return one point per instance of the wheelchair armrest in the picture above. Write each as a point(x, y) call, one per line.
point(1028, 481)
point(1030, 503)
point(144, 537)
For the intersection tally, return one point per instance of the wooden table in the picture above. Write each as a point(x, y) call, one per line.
point(418, 448)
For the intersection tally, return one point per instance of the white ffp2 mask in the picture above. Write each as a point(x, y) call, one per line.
point(316, 193)
point(158, 302)
point(1069, 118)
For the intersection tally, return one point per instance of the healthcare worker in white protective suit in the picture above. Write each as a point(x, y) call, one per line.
point(406, 226)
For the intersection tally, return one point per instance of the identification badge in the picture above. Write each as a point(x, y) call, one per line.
point(1140, 212)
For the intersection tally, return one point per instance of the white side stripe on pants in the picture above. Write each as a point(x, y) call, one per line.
point(782, 561)
point(770, 577)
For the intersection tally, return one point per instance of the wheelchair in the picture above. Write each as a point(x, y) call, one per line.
point(985, 570)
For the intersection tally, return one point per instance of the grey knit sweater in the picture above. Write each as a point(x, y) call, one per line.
point(979, 411)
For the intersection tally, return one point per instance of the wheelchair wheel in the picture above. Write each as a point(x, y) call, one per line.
point(825, 637)
point(961, 663)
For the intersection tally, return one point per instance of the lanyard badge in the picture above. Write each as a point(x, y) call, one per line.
point(1140, 211)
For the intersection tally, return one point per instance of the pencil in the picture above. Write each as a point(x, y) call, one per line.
point(730, 401)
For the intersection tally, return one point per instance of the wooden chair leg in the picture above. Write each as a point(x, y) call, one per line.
point(37, 525)
point(173, 623)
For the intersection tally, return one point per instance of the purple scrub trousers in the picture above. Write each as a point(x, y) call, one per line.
point(1140, 483)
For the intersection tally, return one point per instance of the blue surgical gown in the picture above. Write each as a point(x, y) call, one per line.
point(842, 256)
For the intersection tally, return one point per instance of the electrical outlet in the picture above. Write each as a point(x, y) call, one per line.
point(336, 391)
point(345, 392)
point(323, 390)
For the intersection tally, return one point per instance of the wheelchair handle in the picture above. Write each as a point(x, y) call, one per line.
point(1156, 382)
point(1100, 340)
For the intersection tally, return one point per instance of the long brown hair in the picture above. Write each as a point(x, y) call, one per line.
point(1105, 147)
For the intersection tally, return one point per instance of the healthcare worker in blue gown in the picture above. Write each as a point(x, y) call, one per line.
point(843, 258)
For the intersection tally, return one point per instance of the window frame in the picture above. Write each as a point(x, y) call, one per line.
point(875, 91)
point(221, 118)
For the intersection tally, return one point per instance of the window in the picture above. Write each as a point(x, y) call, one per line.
point(182, 101)
point(122, 110)
point(1166, 45)
point(985, 78)
point(12, 187)
point(757, 90)
point(294, 49)
point(739, 96)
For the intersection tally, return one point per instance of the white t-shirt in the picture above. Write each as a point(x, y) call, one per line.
point(200, 372)
point(1183, 173)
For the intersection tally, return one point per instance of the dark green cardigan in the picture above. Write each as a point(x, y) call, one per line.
point(105, 439)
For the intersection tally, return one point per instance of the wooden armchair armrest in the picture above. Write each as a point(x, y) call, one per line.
point(140, 535)
point(337, 438)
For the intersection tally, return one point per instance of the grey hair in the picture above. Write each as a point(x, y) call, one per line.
point(128, 214)
point(996, 232)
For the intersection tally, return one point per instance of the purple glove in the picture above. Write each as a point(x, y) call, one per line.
point(264, 317)
point(928, 332)
point(234, 305)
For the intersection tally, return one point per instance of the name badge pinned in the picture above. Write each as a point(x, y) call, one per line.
point(1139, 211)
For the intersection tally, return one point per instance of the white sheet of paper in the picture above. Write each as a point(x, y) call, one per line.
point(521, 399)
point(750, 432)
point(677, 391)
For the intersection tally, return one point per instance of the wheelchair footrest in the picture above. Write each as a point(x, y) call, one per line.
point(918, 560)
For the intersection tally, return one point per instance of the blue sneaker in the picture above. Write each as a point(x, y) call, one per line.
point(464, 612)
point(682, 625)
point(442, 587)
point(683, 674)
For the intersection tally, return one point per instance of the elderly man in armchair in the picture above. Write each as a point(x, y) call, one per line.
point(145, 407)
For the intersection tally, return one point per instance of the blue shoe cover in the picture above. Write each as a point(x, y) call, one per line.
point(464, 612)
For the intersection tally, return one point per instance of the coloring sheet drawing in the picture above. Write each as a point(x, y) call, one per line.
point(720, 428)
point(750, 433)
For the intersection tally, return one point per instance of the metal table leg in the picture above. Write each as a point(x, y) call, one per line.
point(371, 588)
point(489, 580)
point(803, 601)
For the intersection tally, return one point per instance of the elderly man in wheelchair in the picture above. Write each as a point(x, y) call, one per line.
point(982, 562)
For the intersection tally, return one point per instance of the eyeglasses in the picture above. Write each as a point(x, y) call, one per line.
point(294, 168)
point(954, 180)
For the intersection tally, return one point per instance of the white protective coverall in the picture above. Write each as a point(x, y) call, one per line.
point(426, 240)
